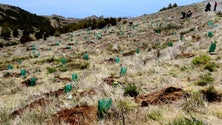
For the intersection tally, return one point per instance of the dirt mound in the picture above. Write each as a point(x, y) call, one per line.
point(88, 92)
point(84, 115)
point(164, 96)
point(39, 102)
point(110, 80)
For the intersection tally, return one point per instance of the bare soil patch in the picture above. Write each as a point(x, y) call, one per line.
point(80, 115)
point(39, 102)
point(164, 96)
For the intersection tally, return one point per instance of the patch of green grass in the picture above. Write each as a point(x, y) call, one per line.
point(131, 90)
point(51, 70)
point(84, 65)
point(202, 59)
point(205, 79)
point(184, 68)
point(211, 66)
point(155, 115)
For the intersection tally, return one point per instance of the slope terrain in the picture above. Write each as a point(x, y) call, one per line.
point(155, 70)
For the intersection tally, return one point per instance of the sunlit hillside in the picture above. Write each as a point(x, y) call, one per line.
point(154, 69)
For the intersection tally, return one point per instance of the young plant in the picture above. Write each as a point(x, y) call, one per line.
point(131, 90)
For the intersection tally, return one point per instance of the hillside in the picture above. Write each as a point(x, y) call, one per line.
point(20, 26)
point(157, 70)
point(14, 21)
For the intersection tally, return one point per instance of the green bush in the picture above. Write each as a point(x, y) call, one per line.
point(131, 90)
point(205, 79)
point(84, 66)
point(202, 59)
point(211, 66)
point(170, 6)
point(51, 69)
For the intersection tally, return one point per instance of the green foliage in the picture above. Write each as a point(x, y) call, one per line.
point(17, 18)
point(202, 59)
point(131, 90)
point(52, 59)
point(205, 79)
point(186, 121)
point(95, 23)
point(51, 70)
point(84, 65)
point(6, 32)
point(211, 66)
point(155, 115)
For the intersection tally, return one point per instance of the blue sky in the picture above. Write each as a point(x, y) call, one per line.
point(84, 8)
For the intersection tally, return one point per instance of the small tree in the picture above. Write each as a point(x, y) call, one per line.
point(6, 32)
point(170, 6)
point(175, 5)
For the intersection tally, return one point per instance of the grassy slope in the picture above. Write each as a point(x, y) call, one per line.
point(156, 74)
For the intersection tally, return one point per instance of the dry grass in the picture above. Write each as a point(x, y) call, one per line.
point(156, 67)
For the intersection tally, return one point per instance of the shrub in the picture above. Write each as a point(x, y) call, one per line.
point(51, 69)
point(124, 21)
point(211, 66)
point(25, 39)
point(84, 66)
point(205, 79)
point(170, 6)
point(131, 90)
point(6, 32)
point(202, 59)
